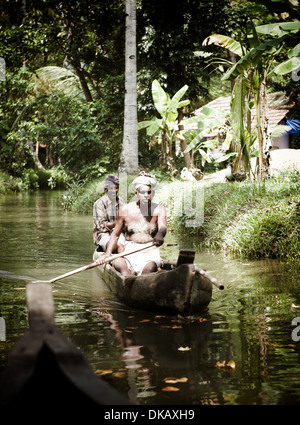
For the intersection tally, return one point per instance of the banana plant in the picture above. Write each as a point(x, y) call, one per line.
point(165, 127)
point(252, 71)
point(208, 120)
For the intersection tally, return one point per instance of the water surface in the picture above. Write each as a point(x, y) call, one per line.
point(155, 359)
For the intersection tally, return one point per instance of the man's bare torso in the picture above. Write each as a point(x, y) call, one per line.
point(140, 224)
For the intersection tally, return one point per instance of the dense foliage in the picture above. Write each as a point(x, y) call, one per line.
point(62, 92)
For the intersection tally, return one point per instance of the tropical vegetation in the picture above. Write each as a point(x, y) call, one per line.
point(165, 127)
point(251, 73)
point(63, 88)
point(69, 111)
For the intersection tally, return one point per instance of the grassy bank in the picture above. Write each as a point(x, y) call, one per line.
point(249, 220)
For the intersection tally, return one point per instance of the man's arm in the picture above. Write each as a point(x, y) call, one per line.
point(161, 226)
point(112, 243)
point(110, 224)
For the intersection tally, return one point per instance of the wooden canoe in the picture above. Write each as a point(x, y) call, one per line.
point(178, 288)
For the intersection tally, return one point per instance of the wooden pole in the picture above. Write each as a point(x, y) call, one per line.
point(95, 264)
point(213, 280)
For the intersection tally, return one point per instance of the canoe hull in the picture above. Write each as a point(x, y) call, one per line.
point(182, 290)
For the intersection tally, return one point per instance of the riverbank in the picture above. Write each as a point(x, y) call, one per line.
point(245, 219)
point(31, 179)
point(252, 220)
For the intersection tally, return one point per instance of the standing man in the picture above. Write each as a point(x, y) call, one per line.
point(142, 221)
point(105, 214)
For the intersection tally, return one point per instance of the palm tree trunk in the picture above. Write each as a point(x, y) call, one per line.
point(129, 156)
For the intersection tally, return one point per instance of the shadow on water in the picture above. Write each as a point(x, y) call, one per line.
point(155, 359)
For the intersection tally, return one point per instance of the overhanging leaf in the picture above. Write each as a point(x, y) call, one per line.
point(226, 42)
point(278, 29)
point(286, 67)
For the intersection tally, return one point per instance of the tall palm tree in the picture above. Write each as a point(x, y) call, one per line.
point(129, 156)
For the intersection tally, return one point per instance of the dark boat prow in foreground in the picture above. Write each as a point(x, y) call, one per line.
point(47, 370)
point(177, 288)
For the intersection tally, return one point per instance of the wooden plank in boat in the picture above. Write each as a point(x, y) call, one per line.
point(186, 256)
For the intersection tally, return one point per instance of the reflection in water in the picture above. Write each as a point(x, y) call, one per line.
point(158, 343)
point(154, 359)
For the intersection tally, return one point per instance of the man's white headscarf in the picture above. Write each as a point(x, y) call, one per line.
point(145, 179)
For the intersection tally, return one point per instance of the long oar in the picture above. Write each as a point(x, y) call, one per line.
point(96, 263)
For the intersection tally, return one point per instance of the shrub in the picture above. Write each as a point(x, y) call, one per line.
point(29, 180)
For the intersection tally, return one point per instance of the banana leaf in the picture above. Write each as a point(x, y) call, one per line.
point(278, 29)
point(152, 126)
point(226, 42)
point(294, 52)
point(286, 67)
point(208, 120)
point(252, 58)
point(175, 102)
point(226, 157)
point(161, 99)
point(205, 156)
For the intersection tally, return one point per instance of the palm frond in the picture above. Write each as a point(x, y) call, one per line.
point(61, 79)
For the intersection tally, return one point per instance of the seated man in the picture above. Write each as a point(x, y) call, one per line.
point(105, 213)
point(143, 221)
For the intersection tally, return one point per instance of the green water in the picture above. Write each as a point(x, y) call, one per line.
point(249, 323)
